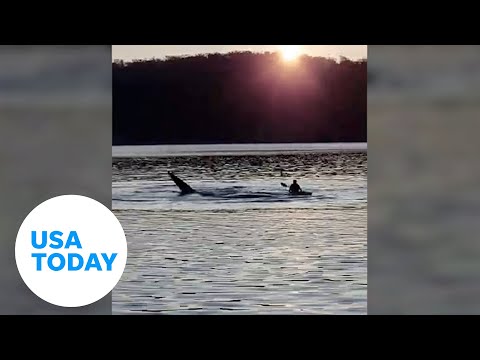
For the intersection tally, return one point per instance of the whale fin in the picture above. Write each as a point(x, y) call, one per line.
point(182, 185)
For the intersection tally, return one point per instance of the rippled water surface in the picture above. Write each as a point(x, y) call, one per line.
point(242, 245)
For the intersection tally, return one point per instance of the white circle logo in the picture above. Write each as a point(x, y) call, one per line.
point(71, 251)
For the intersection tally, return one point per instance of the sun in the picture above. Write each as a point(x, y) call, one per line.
point(290, 52)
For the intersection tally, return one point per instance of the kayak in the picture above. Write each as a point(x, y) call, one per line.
point(301, 193)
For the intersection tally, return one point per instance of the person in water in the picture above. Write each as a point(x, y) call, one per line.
point(295, 188)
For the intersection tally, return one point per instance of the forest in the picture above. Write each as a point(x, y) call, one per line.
point(239, 97)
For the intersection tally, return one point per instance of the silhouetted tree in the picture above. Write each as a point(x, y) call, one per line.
point(239, 97)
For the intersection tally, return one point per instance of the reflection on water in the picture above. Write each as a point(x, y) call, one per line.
point(231, 253)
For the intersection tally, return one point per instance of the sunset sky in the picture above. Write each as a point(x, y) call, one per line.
point(132, 52)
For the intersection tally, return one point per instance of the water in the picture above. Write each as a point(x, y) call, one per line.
point(52, 99)
point(243, 245)
point(423, 75)
point(423, 205)
point(234, 149)
point(55, 76)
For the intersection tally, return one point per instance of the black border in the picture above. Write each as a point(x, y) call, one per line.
point(239, 23)
point(310, 23)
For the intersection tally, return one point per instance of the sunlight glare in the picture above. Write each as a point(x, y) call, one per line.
point(290, 52)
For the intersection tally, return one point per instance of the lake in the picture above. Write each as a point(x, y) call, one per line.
point(242, 244)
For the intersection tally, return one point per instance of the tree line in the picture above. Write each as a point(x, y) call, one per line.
point(239, 97)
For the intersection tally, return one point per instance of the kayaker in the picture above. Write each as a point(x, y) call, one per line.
point(295, 188)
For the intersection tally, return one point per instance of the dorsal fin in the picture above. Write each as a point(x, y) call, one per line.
point(182, 185)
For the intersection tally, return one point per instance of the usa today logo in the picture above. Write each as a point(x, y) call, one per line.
point(71, 251)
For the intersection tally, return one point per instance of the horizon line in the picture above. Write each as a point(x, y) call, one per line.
point(164, 57)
